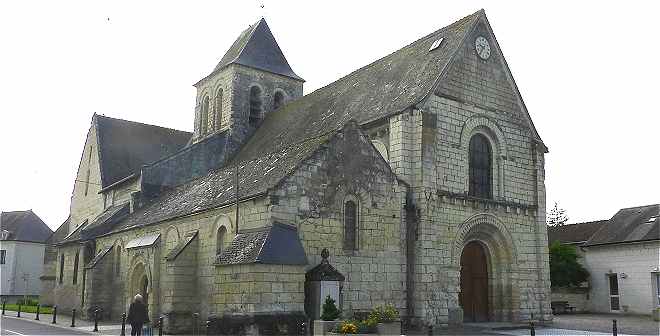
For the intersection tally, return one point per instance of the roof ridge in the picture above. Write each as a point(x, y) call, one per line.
point(141, 123)
point(578, 223)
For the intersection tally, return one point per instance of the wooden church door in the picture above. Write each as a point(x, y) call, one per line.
point(474, 283)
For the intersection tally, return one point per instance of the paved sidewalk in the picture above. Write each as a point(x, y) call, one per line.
point(64, 321)
point(626, 324)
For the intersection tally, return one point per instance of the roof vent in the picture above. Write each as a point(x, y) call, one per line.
point(436, 44)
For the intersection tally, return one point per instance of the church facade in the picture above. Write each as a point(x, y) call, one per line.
point(421, 175)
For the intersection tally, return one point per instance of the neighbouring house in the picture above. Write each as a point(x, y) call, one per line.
point(420, 177)
point(622, 255)
point(22, 240)
point(575, 235)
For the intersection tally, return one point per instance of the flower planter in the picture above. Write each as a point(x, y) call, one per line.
point(390, 328)
point(324, 327)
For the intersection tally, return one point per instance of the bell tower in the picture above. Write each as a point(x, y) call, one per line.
point(252, 80)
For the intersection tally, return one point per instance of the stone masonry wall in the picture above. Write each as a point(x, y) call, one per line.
point(429, 149)
point(312, 198)
point(87, 205)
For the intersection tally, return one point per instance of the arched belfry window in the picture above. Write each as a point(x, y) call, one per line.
point(278, 100)
point(204, 116)
point(350, 225)
point(218, 108)
point(255, 106)
point(220, 239)
point(481, 163)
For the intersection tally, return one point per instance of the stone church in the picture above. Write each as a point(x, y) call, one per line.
point(419, 176)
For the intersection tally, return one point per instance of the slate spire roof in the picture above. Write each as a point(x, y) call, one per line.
point(256, 48)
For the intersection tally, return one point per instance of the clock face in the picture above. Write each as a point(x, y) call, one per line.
point(482, 47)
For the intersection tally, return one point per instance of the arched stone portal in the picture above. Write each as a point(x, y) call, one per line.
point(474, 283)
point(486, 249)
point(139, 283)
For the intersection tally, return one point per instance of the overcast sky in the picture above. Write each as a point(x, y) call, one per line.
point(587, 71)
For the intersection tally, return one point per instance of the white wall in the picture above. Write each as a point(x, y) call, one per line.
point(21, 258)
point(637, 261)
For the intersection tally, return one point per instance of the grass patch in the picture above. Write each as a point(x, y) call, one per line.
point(28, 309)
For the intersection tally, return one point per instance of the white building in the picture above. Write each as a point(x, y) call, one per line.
point(622, 255)
point(22, 240)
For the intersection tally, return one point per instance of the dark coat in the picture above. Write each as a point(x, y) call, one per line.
point(137, 313)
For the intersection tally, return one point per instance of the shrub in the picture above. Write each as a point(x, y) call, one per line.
point(27, 302)
point(330, 311)
point(386, 313)
point(348, 327)
point(565, 271)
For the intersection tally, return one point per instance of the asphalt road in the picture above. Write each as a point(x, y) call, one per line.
point(16, 326)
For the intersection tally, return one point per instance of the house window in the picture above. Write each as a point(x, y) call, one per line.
point(218, 108)
point(75, 268)
point(204, 116)
point(480, 167)
point(350, 225)
point(614, 291)
point(61, 268)
point(220, 239)
point(278, 100)
point(255, 106)
point(3, 255)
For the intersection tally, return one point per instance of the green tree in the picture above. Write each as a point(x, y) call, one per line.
point(330, 311)
point(565, 271)
point(557, 216)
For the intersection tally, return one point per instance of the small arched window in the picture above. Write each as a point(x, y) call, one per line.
point(75, 268)
point(218, 108)
point(350, 225)
point(220, 240)
point(480, 167)
point(61, 268)
point(204, 116)
point(255, 106)
point(278, 100)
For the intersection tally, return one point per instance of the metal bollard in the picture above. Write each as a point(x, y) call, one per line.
point(3, 307)
point(96, 320)
point(160, 326)
point(532, 331)
point(73, 319)
point(430, 330)
point(38, 307)
point(208, 327)
point(614, 328)
point(123, 324)
point(18, 314)
point(195, 323)
point(303, 329)
point(54, 315)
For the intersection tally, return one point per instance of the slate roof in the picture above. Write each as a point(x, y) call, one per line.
point(124, 146)
point(187, 239)
point(278, 244)
point(24, 226)
point(387, 86)
point(577, 233)
point(99, 257)
point(629, 225)
point(256, 48)
point(60, 233)
point(103, 223)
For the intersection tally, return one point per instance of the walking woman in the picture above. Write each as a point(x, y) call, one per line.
point(137, 315)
